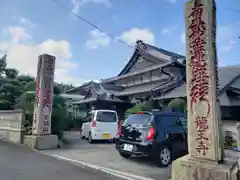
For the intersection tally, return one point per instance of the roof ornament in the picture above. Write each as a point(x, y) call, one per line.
point(140, 45)
point(174, 58)
point(180, 60)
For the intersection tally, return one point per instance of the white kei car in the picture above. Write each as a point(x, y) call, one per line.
point(100, 125)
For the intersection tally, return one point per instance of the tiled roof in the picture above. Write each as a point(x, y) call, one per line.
point(112, 87)
point(92, 99)
point(226, 76)
point(178, 92)
point(72, 96)
point(152, 51)
point(82, 87)
point(151, 68)
point(163, 51)
point(136, 89)
point(148, 87)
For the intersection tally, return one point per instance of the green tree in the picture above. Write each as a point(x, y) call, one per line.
point(30, 86)
point(3, 64)
point(24, 79)
point(9, 94)
point(64, 87)
point(179, 105)
point(59, 118)
point(9, 86)
point(143, 106)
point(18, 91)
point(11, 73)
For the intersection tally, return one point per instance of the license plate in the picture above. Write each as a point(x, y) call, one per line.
point(128, 147)
point(106, 136)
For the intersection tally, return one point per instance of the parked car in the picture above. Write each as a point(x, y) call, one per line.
point(100, 125)
point(159, 135)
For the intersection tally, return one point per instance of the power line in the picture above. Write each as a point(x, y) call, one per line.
point(107, 33)
point(91, 24)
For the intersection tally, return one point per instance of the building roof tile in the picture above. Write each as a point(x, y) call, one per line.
point(226, 76)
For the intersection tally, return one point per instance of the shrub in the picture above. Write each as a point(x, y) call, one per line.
point(178, 105)
point(59, 119)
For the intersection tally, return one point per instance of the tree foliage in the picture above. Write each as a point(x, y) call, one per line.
point(143, 106)
point(179, 105)
point(59, 117)
point(18, 91)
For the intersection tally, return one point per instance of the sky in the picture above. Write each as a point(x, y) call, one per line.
point(29, 28)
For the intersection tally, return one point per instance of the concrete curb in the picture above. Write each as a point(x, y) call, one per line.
point(112, 172)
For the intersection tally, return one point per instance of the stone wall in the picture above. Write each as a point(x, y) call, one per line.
point(11, 125)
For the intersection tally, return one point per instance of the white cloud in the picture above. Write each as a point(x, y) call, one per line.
point(171, 1)
point(19, 34)
point(97, 39)
point(225, 33)
point(22, 54)
point(226, 37)
point(134, 34)
point(26, 22)
point(77, 4)
point(183, 38)
point(228, 46)
point(168, 30)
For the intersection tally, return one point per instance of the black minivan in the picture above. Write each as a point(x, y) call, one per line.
point(160, 135)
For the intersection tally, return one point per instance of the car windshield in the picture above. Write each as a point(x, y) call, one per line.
point(137, 119)
point(104, 116)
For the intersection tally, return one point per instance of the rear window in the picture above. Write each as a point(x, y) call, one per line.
point(106, 116)
point(138, 119)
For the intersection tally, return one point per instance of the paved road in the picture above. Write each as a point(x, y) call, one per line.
point(20, 163)
point(105, 155)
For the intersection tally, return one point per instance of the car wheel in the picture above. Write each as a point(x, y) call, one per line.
point(164, 157)
point(113, 141)
point(81, 135)
point(125, 155)
point(90, 138)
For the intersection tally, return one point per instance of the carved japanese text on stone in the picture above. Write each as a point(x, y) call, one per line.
point(203, 103)
point(44, 93)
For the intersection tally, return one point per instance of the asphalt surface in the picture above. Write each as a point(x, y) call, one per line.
point(105, 155)
point(21, 163)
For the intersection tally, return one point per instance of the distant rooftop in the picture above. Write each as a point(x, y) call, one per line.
point(72, 96)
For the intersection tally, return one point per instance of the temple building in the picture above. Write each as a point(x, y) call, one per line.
point(157, 74)
point(150, 71)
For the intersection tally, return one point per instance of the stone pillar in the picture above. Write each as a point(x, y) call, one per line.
point(41, 137)
point(205, 160)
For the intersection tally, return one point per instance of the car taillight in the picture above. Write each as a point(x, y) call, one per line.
point(151, 133)
point(94, 124)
